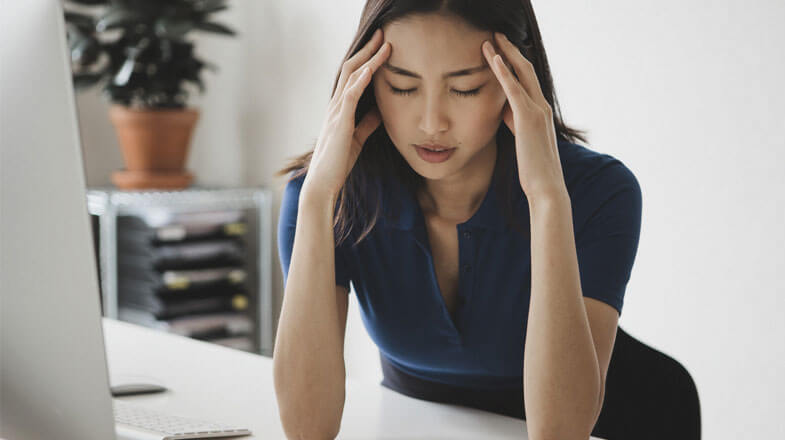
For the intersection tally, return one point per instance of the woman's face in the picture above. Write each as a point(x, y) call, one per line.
point(425, 106)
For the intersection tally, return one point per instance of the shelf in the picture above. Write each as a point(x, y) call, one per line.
point(161, 210)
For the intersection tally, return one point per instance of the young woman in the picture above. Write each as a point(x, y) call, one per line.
point(488, 251)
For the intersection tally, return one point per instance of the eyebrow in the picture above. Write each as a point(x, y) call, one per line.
point(462, 72)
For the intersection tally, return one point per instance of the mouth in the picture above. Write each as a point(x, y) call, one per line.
point(434, 153)
point(435, 147)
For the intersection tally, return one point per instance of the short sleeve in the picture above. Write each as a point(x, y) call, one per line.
point(608, 241)
point(287, 222)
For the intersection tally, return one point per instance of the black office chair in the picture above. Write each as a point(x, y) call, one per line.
point(648, 395)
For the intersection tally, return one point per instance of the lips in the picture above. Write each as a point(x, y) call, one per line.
point(434, 156)
point(435, 147)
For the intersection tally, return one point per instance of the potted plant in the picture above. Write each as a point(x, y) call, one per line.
point(138, 50)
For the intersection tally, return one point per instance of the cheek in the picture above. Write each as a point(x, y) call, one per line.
point(484, 115)
point(390, 111)
point(496, 100)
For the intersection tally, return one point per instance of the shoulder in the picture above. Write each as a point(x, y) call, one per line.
point(294, 184)
point(290, 198)
point(590, 173)
point(599, 185)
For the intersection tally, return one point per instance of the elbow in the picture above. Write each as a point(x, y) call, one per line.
point(308, 425)
point(307, 411)
point(313, 423)
point(304, 416)
point(300, 432)
point(559, 434)
point(578, 427)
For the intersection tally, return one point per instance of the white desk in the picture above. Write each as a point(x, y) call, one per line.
point(221, 384)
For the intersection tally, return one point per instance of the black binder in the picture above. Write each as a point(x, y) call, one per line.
point(163, 308)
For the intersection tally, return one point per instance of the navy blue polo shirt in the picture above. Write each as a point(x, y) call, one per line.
point(392, 272)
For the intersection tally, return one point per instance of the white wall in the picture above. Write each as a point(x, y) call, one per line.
point(687, 94)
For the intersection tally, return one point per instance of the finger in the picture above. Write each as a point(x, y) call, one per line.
point(359, 58)
point(351, 96)
point(523, 67)
point(512, 88)
point(374, 63)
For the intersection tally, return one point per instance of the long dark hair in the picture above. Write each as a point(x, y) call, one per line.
point(358, 203)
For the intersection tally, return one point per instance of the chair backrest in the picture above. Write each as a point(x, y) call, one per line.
point(648, 395)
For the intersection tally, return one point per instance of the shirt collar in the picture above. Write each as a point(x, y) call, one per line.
point(398, 198)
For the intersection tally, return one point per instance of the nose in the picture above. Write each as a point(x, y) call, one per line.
point(433, 120)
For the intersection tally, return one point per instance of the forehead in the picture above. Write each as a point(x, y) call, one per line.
point(434, 43)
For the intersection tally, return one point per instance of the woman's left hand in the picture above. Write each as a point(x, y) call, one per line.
point(530, 119)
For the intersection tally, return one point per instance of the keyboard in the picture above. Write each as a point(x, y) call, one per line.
point(133, 422)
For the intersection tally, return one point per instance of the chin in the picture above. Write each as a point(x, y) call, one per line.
point(433, 171)
point(431, 174)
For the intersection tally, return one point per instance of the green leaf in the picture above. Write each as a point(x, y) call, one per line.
point(124, 74)
point(81, 21)
point(85, 51)
point(198, 83)
point(74, 37)
point(209, 5)
point(116, 18)
point(214, 10)
point(215, 28)
point(172, 28)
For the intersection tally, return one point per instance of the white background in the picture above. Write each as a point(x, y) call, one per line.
point(688, 94)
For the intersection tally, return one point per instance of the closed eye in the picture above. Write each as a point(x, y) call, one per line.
point(463, 93)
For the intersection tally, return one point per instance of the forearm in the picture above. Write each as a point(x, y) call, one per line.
point(561, 375)
point(308, 365)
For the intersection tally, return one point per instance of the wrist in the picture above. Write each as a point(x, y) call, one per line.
point(556, 195)
point(312, 195)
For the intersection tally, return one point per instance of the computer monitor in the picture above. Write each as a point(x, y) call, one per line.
point(53, 371)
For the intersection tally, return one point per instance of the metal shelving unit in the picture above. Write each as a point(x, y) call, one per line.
point(106, 204)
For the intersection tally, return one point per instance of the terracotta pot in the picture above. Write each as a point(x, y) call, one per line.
point(155, 145)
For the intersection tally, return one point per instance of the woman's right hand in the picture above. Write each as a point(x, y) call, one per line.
point(340, 142)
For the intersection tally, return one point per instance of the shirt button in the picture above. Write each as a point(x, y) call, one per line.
point(467, 267)
point(467, 234)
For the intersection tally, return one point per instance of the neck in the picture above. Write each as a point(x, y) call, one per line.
point(457, 197)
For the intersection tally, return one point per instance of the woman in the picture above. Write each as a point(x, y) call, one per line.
point(490, 274)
